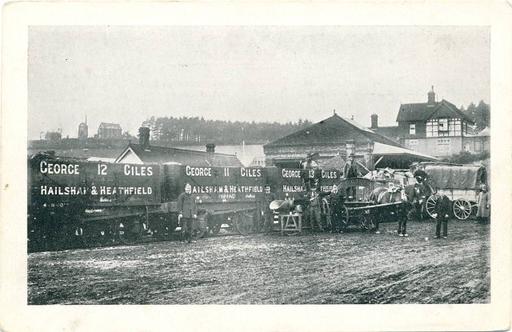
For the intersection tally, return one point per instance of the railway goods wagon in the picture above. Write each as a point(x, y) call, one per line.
point(231, 196)
point(77, 203)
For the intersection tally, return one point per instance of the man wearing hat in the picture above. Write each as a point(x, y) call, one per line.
point(350, 170)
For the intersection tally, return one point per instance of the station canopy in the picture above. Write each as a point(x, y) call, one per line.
point(396, 157)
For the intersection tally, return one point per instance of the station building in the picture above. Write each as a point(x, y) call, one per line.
point(336, 136)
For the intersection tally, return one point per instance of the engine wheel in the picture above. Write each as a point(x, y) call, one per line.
point(430, 206)
point(244, 223)
point(461, 209)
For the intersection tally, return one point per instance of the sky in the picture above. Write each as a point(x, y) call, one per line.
point(126, 74)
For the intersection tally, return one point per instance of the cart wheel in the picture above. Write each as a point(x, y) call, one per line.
point(461, 209)
point(345, 217)
point(430, 206)
point(243, 223)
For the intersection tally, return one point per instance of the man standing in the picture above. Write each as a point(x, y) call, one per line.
point(483, 211)
point(350, 171)
point(336, 201)
point(315, 213)
point(187, 209)
point(442, 209)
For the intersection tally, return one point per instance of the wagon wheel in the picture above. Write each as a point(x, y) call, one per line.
point(461, 209)
point(345, 216)
point(430, 206)
point(243, 223)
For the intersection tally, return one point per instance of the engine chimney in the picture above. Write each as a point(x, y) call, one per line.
point(144, 137)
point(210, 147)
point(375, 121)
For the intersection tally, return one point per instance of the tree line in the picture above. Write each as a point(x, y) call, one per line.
point(196, 130)
point(480, 113)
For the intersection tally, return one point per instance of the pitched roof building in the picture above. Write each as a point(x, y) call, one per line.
point(335, 136)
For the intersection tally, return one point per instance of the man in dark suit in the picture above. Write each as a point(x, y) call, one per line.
point(187, 209)
point(350, 171)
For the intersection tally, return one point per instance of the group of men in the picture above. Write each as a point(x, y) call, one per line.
point(336, 198)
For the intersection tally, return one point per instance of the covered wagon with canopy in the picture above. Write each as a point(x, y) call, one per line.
point(460, 183)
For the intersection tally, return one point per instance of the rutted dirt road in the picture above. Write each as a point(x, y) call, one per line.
point(311, 268)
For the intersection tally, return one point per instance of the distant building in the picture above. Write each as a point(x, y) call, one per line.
point(109, 130)
point(257, 162)
point(437, 128)
point(336, 136)
point(53, 136)
point(143, 153)
point(83, 130)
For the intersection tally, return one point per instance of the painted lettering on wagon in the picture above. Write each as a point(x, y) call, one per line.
point(198, 171)
point(224, 189)
point(131, 170)
point(250, 172)
point(58, 169)
point(293, 189)
point(290, 173)
point(94, 190)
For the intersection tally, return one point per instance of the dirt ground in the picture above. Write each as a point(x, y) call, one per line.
point(315, 268)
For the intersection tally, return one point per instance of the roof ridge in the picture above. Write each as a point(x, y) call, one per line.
point(187, 150)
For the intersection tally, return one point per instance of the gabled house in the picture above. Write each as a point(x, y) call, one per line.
point(437, 128)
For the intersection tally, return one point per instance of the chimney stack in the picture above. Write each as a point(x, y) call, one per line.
point(375, 121)
point(432, 96)
point(210, 148)
point(144, 137)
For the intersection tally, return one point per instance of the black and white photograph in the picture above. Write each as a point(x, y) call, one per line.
point(270, 165)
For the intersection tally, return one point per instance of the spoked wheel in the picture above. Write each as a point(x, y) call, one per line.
point(244, 223)
point(345, 217)
point(430, 206)
point(461, 209)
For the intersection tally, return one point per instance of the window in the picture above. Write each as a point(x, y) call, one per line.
point(443, 125)
point(432, 126)
point(454, 127)
point(412, 129)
